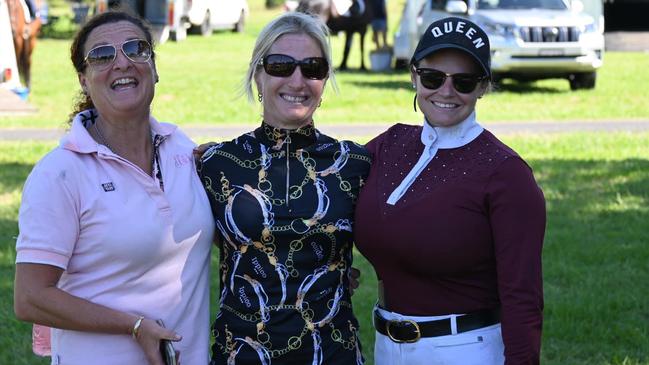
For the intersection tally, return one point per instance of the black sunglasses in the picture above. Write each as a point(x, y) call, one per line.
point(464, 83)
point(281, 65)
point(136, 50)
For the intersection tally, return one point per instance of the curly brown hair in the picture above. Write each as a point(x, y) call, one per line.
point(77, 56)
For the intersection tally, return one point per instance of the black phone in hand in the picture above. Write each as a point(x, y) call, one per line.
point(167, 349)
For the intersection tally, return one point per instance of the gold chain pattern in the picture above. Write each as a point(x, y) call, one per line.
point(283, 201)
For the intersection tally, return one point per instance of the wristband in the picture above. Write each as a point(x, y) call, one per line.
point(136, 327)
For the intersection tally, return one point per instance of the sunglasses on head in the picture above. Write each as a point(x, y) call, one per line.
point(281, 65)
point(464, 83)
point(136, 50)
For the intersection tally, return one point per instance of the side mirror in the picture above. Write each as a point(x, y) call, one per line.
point(457, 7)
point(576, 6)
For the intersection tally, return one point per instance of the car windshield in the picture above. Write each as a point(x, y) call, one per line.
point(522, 4)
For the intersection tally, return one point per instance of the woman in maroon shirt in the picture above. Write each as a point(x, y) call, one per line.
point(452, 221)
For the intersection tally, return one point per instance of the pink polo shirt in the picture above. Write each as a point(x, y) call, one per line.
point(122, 241)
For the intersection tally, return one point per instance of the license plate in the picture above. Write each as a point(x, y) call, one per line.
point(551, 52)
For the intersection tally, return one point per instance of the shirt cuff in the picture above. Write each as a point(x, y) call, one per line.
point(34, 256)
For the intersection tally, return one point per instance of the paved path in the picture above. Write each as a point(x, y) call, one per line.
point(362, 130)
point(626, 41)
point(11, 104)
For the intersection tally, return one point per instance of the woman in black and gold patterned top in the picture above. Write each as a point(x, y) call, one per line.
point(283, 198)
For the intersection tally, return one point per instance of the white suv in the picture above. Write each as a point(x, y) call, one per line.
point(203, 16)
point(530, 39)
point(172, 18)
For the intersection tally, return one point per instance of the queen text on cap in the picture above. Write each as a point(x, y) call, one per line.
point(458, 27)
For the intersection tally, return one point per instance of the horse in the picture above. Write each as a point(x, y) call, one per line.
point(24, 35)
point(357, 22)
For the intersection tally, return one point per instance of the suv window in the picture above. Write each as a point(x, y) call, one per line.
point(438, 4)
point(522, 4)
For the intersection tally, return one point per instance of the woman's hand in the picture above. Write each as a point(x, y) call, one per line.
point(198, 151)
point(149, 336)
point(354, 282)
point(37, 299)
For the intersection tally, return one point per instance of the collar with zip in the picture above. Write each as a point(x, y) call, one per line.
point(275, 138)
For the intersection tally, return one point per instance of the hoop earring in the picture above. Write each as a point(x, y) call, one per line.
point(260, 97)
point(414, 103)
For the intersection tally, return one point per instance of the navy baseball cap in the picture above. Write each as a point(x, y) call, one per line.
point(458, 33)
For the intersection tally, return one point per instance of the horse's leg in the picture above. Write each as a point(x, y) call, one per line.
point(27, 61)
point(29, 46)
point(22, 52)
point(26, 65)
point(21, 31)
point(349, 37)
point(19, 44)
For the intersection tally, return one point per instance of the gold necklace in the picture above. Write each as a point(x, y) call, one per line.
point(101, 137)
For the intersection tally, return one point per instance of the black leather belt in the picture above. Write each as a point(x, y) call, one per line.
point(409, 331)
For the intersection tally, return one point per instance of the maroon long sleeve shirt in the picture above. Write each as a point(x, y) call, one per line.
point(467, 235)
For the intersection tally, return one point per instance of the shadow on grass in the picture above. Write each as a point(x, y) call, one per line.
point(8, 235)
point(526, 87)
point(596, 271)
point(383, 84)
point(13, 175)
point(51, 33)
point(512, 86)
point(516, 87)
point(15, 340)
point(368, 71)
point(61, 27)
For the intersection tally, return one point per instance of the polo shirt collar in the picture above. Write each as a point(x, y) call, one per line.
point(79, 140)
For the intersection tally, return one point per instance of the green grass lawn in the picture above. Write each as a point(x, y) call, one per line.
point(200, 81)
point(596, 258)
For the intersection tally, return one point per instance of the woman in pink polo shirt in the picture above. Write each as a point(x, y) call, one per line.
point(115, 227)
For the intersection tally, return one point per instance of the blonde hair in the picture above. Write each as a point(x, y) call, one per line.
point(288, 23)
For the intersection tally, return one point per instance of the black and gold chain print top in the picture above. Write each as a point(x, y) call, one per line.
point(283, 202)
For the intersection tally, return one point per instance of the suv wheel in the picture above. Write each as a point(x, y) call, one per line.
point(400, 64)
point(179, 34)
point(206, 25)
point(239, 26)
point(581, 81)
point(496, 80)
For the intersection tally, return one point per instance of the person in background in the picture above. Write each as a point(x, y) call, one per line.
point(283, 198)
point(452, 220)
point(115, 227)
point(379, 24)
point(33, 8)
